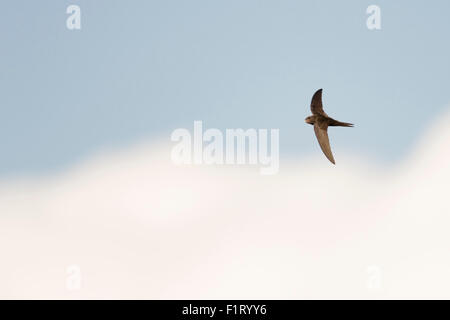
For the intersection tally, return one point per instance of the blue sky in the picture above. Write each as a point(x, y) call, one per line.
point(137, 70)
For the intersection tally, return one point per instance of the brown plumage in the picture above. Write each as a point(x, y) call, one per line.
point(321, 122)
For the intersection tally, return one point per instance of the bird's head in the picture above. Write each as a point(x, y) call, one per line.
point(310, 120)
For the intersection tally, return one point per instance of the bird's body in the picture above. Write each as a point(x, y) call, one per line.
point(328, 121)
point(321, 121)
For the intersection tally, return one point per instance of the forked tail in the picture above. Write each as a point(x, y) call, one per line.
point(345, 124)
point(336, 123)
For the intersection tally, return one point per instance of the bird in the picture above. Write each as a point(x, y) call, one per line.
point(321, 121)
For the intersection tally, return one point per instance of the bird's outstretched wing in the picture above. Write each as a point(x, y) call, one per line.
point(324, 142)
point(316, 104)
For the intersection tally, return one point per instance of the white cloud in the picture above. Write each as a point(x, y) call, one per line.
point(140, 227)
